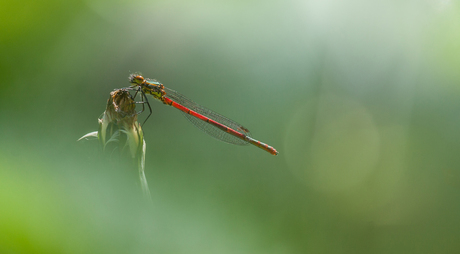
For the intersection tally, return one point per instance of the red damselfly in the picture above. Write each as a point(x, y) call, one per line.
point(212, 123)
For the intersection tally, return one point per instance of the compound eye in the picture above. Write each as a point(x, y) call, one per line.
point(138, 79)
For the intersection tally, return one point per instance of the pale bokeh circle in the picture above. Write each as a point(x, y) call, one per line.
point(332, 143)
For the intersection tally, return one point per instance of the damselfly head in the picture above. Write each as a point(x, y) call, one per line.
point(136, 79)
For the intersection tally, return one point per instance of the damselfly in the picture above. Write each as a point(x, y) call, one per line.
point(212, 123)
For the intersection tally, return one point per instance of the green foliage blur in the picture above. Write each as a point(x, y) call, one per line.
point(360, 98)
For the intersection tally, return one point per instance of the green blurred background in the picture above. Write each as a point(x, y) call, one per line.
point(361, 99)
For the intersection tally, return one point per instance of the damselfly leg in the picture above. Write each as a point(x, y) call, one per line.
point(143, 101)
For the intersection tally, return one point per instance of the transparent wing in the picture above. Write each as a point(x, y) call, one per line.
point(206, 127)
